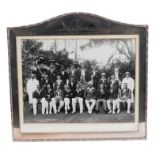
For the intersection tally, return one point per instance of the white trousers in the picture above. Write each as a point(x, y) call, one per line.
point(128, 101)
point(44, 105)
point(30, 96)
point(115, 104)
point(90, 105)
point(34, 105)
point(53, 106)
point(75, 101)
point(67, 102)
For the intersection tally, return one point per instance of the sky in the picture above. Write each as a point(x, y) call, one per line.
point(100, 53)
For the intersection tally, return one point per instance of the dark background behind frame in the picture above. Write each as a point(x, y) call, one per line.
point(78, 24)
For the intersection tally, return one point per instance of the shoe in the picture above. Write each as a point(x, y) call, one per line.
point(73, 112)
point(113, 112)
point(110, 112)
point(128, 112)
point(50, 112)
point(118, 111)
point(89, 111)
point(66, 112)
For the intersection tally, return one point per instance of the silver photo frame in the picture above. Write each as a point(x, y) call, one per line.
point(83, 39)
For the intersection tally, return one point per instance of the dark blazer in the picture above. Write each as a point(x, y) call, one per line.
point(72, 88)
point(67, 93)
point(48, 94)
point(97, 76)
point(105, 84)
point(36, 94)
point(89, 94)
point(79, 93)
point(77, 74)
point(46, 82)
point(59, 93)
point(93, 83)
point(65, 76)
point(101, 94)
point(88, 73)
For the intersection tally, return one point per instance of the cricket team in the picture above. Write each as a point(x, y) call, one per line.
point(101, 94)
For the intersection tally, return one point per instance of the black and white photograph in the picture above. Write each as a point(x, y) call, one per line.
point(88, 79)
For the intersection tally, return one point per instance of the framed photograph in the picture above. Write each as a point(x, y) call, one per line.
point(78, 77)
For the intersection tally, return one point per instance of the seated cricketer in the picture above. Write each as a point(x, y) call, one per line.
point(44, 98)
point(58, 98)
point(78, 98)
point(89, 95)
point(101, 96)
point(113, 95)
point(125, 96)
point(36, 98)
point(67, 97)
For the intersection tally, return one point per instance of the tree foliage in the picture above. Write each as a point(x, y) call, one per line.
point(33, 54)
point(30, 50)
